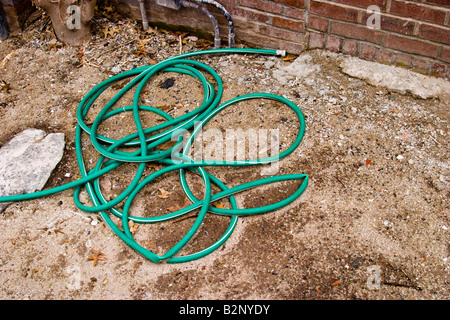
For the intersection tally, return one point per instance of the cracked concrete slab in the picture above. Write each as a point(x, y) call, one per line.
point(397, 79)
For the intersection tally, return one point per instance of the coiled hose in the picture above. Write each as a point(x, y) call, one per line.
point(171, 159)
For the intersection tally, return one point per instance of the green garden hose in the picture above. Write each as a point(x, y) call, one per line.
point(173, 159)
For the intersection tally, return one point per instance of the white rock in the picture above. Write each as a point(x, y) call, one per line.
point(27, 161)
point(300, 68)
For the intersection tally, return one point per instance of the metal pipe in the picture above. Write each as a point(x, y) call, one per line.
point(227, 16)
point(213, 19)
point(144, 15)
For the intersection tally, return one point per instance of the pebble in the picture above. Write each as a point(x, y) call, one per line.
point(269, 64)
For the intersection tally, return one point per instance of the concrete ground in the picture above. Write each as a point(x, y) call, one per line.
point(372, 224)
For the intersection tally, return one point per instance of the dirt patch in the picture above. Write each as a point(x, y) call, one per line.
point(377, 163)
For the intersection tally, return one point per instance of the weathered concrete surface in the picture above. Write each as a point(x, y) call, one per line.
point(397, 79)
point(300, 68)
point(27, 161)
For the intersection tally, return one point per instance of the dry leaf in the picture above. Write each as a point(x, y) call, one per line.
point(54, 46)
point(220, 205)
point(151, 30)
point(154, 166)
point(133, 226)
point(192, 38)
point(204, 44)
point(98, 255)
point(142, 43)
point(4, 86)
point(111, 32)
point(289, 58)
point(164, 194)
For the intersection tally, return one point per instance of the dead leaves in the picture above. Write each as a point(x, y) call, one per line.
point(110, 32)
point(107, 10)
point(151, 30)
point(290, 58)
point(97, 256)
point(143, 51)
point(164, 194)
point(54, 46)
point(4, 86)
point(204, 44)
point(219, 205)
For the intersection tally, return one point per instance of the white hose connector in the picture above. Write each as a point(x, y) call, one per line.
point(281, 53)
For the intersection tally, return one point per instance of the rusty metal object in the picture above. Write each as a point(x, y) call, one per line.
point(70, 19)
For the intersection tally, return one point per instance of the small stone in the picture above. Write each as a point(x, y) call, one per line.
point(27, 161)
point(400, 157)
point(167, 83)
point(343, 98)
point(269, 64)
point(115, 70)
point(356, 263)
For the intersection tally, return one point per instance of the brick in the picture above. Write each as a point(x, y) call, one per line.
point(356, 32)
point(255, 39)
point(288, 24)
point(249, 14)
point(438, 69)
point(294, 13)
point(368, 52)
point(403, 60)
point(390, 23)
point(317, 23)
point(385, 56)
point(417, 11)
point(333, 43)
point(445, 56)
point(411, 45)
point(349, 47)
point(265, 6)
point(234, 2)
point(365, 3)
point(334, 11)
point(438, 34)
point(293, 3)
point(291, 47)
point(443, 3)
point(282, 34)
point(315, 40)
point(421, 65)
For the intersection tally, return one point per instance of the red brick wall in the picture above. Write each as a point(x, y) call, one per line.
point(413, 34)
